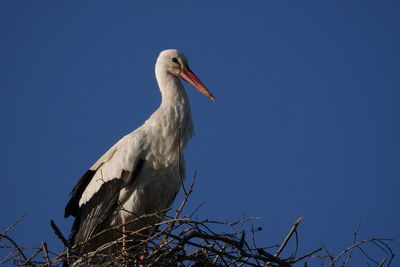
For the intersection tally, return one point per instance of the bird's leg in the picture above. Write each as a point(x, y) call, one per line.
point(145, 234)
point(124, 250)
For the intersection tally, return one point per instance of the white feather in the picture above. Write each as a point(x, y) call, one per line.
point(159, 141)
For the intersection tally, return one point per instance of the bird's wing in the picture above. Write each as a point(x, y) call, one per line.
point(96, 193)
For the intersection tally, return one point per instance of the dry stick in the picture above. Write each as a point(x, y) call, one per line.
point(120, 225)
point(232, 250)
point(253, 238)
point(196, 227)
point(294, 227)
point(273, 258)
point(185, 199)
point(327, 253)
point(10, 253)
point(198, 223)
point(333, 260)
point(241, 261)
point(28, 247)
point(46, 254)
point(196, 209)
point(60, 256)
point(222, 250)
point(306, 256)
point(235, 245)
point(7, 258)
point(366, 255)
point(225, 223)
point(204, 225)
point(187, 194)
point(118, 240)
point(169, 251)
point(389, 251)
point(13, 224)
point(180, 170)
point(244, 258)
point(354, 241)
point(387, 247)
point(166, 242)
point(186, 240)
point(241, 264)
point(243, 242)
point(297, 245)
point(15, 245)
point(382, 262)
point(8, 229)
point(33, 256)
point(170, 221)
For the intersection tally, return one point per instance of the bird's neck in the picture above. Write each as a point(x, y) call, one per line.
point(172, 121)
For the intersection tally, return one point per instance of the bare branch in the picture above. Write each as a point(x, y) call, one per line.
point(184, 241)
point(13, 224)
point(289, 235)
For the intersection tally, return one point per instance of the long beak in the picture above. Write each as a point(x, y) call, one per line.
point(191, 78)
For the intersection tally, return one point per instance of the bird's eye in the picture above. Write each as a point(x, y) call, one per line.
point(174, 59)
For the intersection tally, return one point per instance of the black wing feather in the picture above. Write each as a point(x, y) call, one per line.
point(73, 204)
point(95, 215)
point(92, 215)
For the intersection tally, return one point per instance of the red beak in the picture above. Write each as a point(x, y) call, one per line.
point(191, 78)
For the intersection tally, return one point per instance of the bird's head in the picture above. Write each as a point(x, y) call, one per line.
point(175, 62)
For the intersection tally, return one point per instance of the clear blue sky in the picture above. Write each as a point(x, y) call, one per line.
point(306, 121)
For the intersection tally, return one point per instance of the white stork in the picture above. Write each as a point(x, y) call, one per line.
point(140, 174)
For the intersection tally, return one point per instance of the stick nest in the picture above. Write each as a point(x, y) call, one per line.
point(185, 241)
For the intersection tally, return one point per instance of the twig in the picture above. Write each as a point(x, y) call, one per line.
point(15, 245)
point(33, 256)
point(46, 254)
point(187, 194)
point(13, 224)
point(382, 262)
point(273, 258)
point(196, 210)
point(366, 255)
point(306, 255)
point(180, 165)
point(183, 241)
point(327, 253)
point(289, 235)
point(354, 241)
point(358, 244)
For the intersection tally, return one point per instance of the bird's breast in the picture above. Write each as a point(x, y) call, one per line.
point(154, 190)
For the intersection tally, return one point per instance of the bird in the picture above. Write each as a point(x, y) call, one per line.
point(142, 173)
